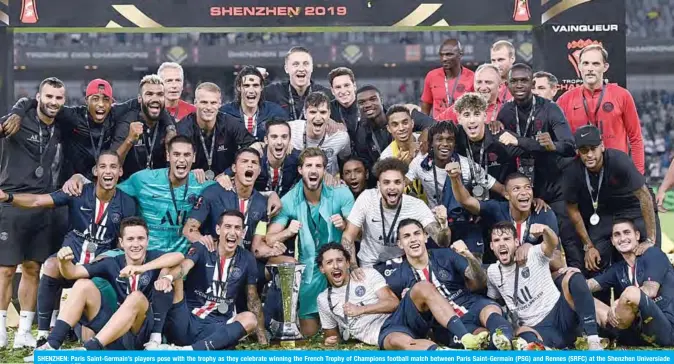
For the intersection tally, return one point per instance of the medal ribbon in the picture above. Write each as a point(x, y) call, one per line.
point(595, 201)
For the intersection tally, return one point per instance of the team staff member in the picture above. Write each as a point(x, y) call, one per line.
point(444, 85)
point(609, 107)
point(503, 57)
point(602, 185)
point(343, 108)
point(545, 85)
point(148, 130)
point(174, 80)
point(215, 135)
point(248, 106)
point(539, 128)
point(291, 94)
point(371, 136)
point(487, 83)
point(25, 167)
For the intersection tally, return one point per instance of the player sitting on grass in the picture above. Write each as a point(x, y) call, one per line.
point(132, 276)
point(645, 283)
point(204, 311)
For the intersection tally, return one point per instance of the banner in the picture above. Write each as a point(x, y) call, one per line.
point(644, 50)
point(350, 55)
point(269, 13)
point(567, 29)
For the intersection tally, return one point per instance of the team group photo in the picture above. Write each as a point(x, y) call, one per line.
point(488, 205)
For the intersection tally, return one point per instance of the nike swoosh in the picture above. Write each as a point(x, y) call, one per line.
point(155, 196)
point(480, 244)
point(117, 279)
point(584, 135)
point(375, 220)
point(84, 208)
point(576, 107)
point(210, 265)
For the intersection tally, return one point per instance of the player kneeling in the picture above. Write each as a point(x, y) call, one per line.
point(131, 275)
point(202, 310)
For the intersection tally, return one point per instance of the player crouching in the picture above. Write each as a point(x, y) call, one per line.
point(131, 275)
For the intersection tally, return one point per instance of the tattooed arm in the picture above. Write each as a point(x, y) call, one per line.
point(255, 306)
point(651, 288)
point(476, 277)
point(191, 230)
point(349, 236)
point(180, 271)
point(647, 211)
point(441, 236)
point(593, 285)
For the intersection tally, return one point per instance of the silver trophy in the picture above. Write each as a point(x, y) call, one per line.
point(286, 279)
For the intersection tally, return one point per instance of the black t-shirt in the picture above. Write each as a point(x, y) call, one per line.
point(616, 196)
point(229, 135)
point(20, 156)
point(280, 93)
point(346, 115)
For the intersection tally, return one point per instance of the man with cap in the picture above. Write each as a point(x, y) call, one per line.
point(86, 129)
point(602, 185)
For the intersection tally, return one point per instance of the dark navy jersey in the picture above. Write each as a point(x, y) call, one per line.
point(447, 273)
point(215, 200)
point(216, 289)
point(654, 266)
point(280, 180)
point(388, 267)
point(90, 220)
point(109, 268)
point(497, 211)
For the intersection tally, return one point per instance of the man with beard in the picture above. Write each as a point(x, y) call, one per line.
point(343, 108)
point(86, 129)
point(314, 213)
point(356, 176)
point(146, 131)
point(600, 186)
point(446, 84)
point(545, 85)
point(94, 219)
point(430, 170)
point(538, 127)
point(644, 283)
point(291, 94)
point(248, 108)
point(371, 136)
point(165, 196)
point(216, 135)
point(609, 107)
point(503, 56)
point(313, 132)
point(385, 206)
point(519, 208)
point(217, 304)
point(174, 80)
point(532, 296)
point(454, 273)
point(132, 275)
point(25, 167)
point(487, 81)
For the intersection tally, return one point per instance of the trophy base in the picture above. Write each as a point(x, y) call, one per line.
point(285, 331)
point(289, 344)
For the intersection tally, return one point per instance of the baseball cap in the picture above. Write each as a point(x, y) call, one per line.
point(587, 136)
point(99, 86)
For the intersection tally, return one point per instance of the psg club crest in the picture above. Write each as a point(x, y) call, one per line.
point(608, 106)
point(443, 274)
point(360, 291)
point(525, 272)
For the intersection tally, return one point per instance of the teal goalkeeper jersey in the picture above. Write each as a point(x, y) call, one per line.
point(165, 215)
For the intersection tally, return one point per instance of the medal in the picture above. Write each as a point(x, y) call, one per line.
point(594, 219)
point(91, 247)
point(223, 307)
point(346, 335)
point(210, 175)
point(39, 172)
point(478, 191)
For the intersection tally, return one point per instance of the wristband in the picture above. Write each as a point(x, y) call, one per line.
point(170, 277)
point(10, 197)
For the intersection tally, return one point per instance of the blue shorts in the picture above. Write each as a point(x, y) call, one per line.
point(183, 328)
point(408, 320)
point(560, 328)
point(471, 320)
point(128, 341)
point(656, 322)
point(470, 233)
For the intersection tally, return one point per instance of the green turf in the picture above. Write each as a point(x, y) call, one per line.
point(667, 224)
